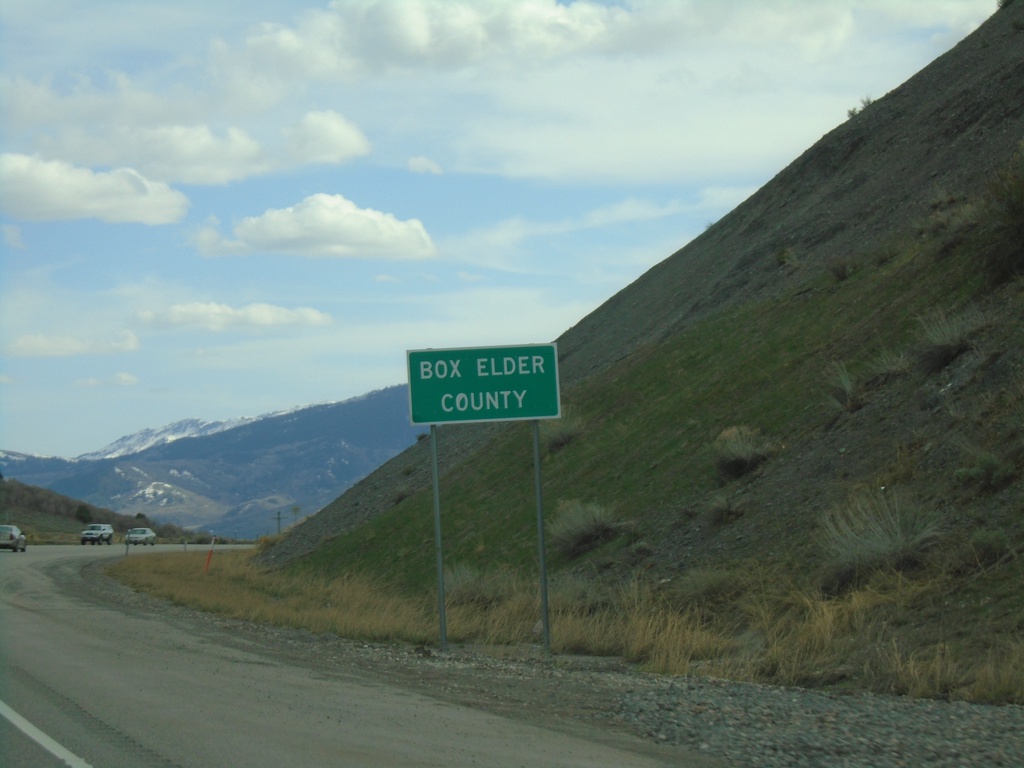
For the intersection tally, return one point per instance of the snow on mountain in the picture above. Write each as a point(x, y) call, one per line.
point(152, 437)
point(234, 477)
point(149, 438)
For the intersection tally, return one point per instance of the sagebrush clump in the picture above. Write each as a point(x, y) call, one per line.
point(1002, 252)
point(739, 450)
point(873, 532)
point(580, 526)
point(947, 336)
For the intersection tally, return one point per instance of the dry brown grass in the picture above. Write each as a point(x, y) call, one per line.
point(349, 606)
point(787, 635)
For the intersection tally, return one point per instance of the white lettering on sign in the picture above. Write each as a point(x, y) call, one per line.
point(481, 401)
point(524, 365)
point(441, 369)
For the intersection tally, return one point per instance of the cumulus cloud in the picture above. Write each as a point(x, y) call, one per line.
point(47, 190)
point(359, 37)
point(323, 225)
point(169, 136)
point(218, 317)
point(196, 154)
point(421, 164)
point(553, 88)
point(368, 36)
point(117, 380)
point(42, 345)
point(326, 137)
point(190, 154)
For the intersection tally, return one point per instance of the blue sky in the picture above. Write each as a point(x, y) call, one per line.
point(223, 209)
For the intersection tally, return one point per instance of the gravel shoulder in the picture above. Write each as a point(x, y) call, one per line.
point(687, 720)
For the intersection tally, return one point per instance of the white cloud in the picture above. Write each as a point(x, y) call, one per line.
point(190, 154)
point(326, 137)
point(48, 190)
point(218, 317)
point(475, 315)
point(368, 36)
point(361, 37)
point(556, 88)
point(42, 345)
point(117, 380)
point(12, 236)
point(492, 245)
point(421, 164)
point(323, 226)
point(97, 129)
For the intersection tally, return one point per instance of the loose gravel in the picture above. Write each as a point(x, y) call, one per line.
point(767, 726)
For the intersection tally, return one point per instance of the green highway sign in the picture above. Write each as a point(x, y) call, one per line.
point(483, 384)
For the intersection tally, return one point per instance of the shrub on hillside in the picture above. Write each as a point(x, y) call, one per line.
point(984, 469)
point(947, 336)
point(888, 363)
point(572, 593)
point(466, 585)
point(989, 547)
point(558, 433)
point(723, 510)
point(1002, 249)
point(843, 392)
point(739, 450)
point(707, 588)
point(579, 527)
point(873, 532)
point(840, 267)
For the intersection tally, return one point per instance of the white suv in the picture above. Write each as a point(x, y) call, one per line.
point(97, 533)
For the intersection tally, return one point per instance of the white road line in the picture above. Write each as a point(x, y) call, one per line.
point(51, 746)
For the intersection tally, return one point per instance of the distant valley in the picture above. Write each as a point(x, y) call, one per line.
point(237, 479)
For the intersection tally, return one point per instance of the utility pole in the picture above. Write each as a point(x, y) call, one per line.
point(278, 516)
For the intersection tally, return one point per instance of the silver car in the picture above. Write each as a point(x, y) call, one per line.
point(141, 536)
point(12, 538)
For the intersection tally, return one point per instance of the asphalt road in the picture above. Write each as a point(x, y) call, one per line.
point(91, 685)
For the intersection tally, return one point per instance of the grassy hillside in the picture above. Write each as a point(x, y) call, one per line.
point(644, 431)
point(47, 517)
point(852, 448)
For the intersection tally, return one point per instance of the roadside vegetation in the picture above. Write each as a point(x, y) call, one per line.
point(822, 489)
point(736, 623)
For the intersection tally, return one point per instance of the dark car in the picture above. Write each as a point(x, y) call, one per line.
point(12, 538)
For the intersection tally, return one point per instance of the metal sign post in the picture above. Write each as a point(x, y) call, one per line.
point(438, 549)
point(474, 384)
point(540, 538)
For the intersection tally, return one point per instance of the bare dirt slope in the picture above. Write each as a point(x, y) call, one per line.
point(942, 132)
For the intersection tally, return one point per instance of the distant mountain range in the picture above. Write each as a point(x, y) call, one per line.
point(150, 438)
point(239, 478)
